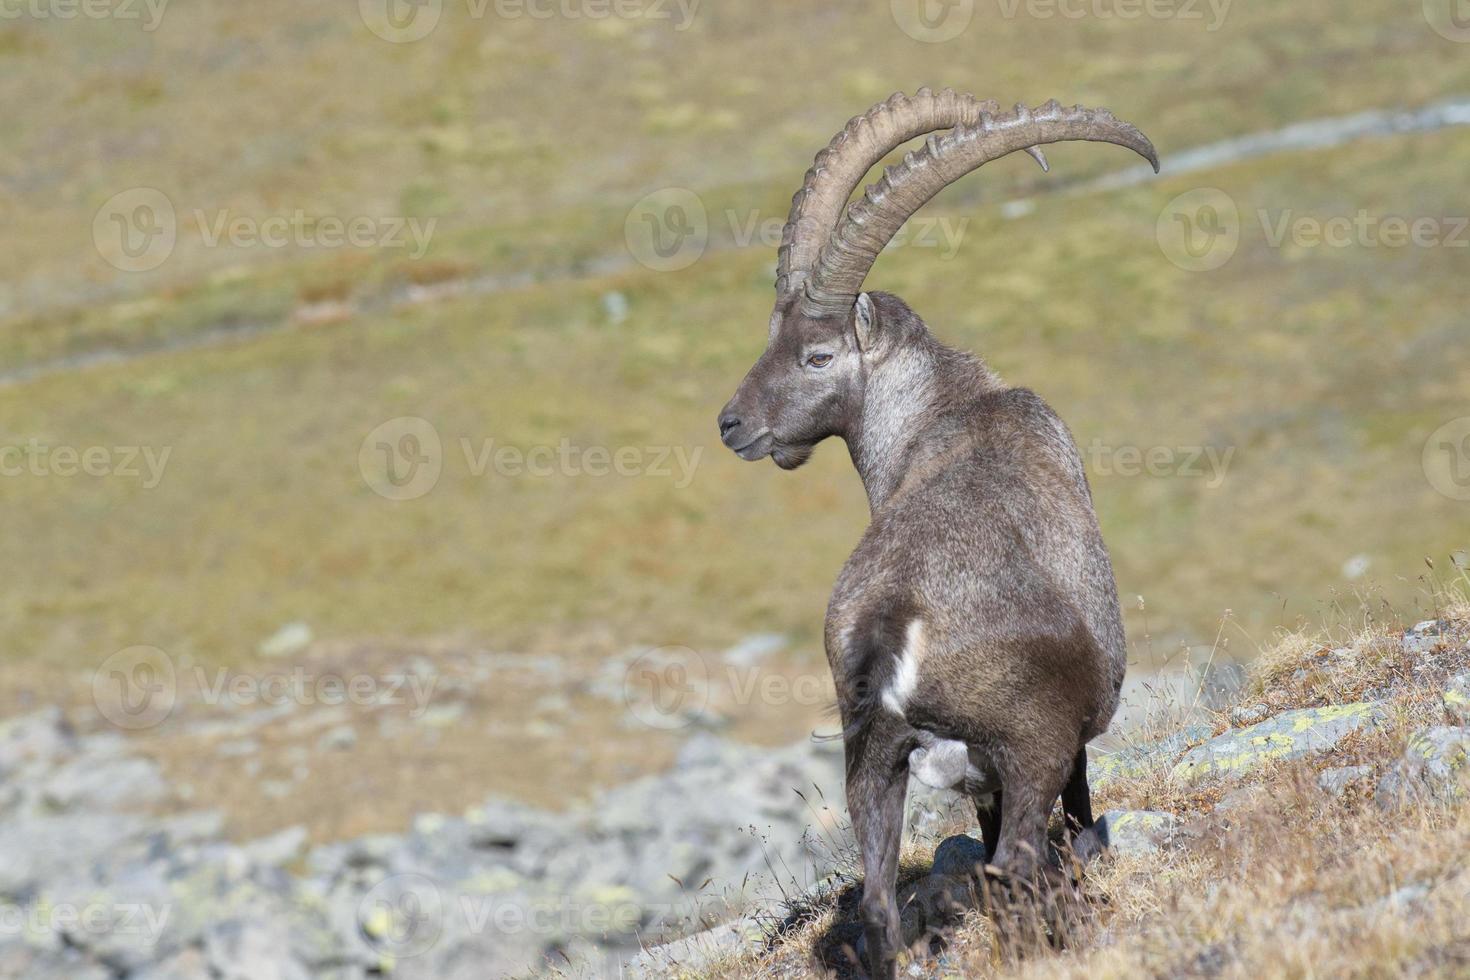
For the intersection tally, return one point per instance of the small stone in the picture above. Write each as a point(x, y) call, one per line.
point(278, 849)
point(442, 715)
point(1433, 766)
point(1335, 781)
point(1457, 697)
point(1240, 797)
point(958, 856)
point(615, 305)
point(338, 739)
point(753, 649)
point(246, 949)
point(236, 748)
point(91, 784)
point(1135, 832)
point(287, 641)
point(1249, 714)
point(40, 736)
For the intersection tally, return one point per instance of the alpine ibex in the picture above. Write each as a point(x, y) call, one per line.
point(974, 635)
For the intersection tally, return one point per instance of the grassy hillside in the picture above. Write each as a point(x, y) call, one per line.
point(1314, 373)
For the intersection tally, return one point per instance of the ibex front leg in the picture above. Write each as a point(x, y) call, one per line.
point(877, 782)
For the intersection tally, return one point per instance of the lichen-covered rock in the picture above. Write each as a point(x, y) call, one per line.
point(1139, 760)
point(1289, 735)
point(1134, 832)
point(1434, 765)
point(1457, 697)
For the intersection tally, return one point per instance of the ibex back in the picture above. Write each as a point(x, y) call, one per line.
point(974, 635)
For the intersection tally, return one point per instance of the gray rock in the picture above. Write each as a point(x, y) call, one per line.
point(1336, 781)
point(289, 640)
point(1289, 735)
point(1135, 832)
point(1248, 714)
point(251, 949)
point(278, 849)
point(1457, 697)
point(615, 305)
point(1434, 766)
point(1425, 637)
point(1140, 759)
point(237, 748)
point(19, 960)
point(338, 739)
point(119, 783)
point(699, 951)
point(190, 964)
point(37, 737)
point(38, 849)
point(958, 856)
point(754, 649)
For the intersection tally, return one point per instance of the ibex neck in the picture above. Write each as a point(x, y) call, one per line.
point(913, 415)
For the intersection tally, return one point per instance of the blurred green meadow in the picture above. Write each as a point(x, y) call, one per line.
point(1256, 432)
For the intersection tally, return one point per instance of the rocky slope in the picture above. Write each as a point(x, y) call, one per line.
point(1316, 825)
point(94, 886)
point(745, 851)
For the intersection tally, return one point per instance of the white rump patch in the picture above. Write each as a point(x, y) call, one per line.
point(906, 674)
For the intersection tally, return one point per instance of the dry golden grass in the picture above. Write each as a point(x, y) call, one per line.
point(1286, 880)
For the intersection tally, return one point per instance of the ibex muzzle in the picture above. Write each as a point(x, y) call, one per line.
point(974, 635)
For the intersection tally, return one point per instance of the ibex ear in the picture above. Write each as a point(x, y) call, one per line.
point(864, 322)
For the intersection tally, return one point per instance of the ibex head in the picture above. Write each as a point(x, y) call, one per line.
point(827, 338)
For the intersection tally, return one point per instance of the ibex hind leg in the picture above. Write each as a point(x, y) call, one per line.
point(1077, 813)
point(987, 810)
point(877, 783)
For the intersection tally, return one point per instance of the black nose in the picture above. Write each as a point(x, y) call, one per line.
point(728, 422)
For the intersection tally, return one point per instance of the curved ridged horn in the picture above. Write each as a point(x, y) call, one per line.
point(873, 220)
point(818, 206)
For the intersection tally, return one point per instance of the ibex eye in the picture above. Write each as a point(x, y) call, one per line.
point(819, 360)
